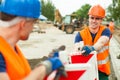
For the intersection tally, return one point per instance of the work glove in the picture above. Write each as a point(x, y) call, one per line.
point(87, 50)
point(55, 63)
point(52, 64)
point(55, 52)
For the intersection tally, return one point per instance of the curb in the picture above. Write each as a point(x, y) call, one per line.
point(114, 52)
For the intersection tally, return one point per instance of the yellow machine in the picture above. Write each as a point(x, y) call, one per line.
point(57, 18)
point(65, 23)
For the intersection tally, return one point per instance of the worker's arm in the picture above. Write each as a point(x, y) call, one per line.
point(97, 46)
point(79, 43)
point(78, 38)
point(37, 74)
point(43, 69)
point(4, 76)
point(105, 37)
point(101, 42)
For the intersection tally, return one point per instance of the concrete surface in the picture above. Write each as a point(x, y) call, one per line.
point(39, 45)
point(114, 52)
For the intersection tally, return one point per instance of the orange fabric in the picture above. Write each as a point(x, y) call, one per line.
point(16, 65)
point(97, 10)
point(87, 38)
point(111, 27)
point(105, 68)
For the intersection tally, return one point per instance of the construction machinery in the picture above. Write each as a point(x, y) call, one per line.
point(57, 18)
point(66, 24)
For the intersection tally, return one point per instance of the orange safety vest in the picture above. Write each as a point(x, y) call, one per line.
point(111, 27)
point(17, 66)
point(103, 54)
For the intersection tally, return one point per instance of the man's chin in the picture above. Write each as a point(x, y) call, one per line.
point(94, 26)
point(25, 38)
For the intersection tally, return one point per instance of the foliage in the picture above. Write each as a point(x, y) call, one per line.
point(114, 10)
point(48, 9)
point(83, 11)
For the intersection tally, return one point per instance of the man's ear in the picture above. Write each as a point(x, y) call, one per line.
point(22, 23)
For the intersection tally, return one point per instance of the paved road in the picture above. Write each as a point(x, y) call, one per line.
point(40, 45)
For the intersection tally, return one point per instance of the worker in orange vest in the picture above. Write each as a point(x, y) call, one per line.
point(111, 27)
point(16, 23)
point(96, 38)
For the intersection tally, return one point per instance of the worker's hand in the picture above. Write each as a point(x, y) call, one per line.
point(87, 50)
point(52, 64)
point(55, 52)
point(55, 63)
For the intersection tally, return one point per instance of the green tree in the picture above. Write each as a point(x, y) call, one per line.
point(83, 11)
point(48, 9)
point(114, 10)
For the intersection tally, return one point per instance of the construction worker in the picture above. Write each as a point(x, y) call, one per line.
point(111, 27)
point(16, 22)
point(96, 38)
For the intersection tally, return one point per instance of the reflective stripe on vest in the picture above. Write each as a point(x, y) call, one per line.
point(103, 49)
point(100, 62)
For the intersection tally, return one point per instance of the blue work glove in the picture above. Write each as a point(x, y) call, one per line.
point(57, 65)
point(87, 50)
point(55, 52)
point(55, 62)
point(52, 64)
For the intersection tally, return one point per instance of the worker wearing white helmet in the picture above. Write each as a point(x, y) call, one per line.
point(16, 23)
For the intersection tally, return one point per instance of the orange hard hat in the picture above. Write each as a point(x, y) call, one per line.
point(97, 10)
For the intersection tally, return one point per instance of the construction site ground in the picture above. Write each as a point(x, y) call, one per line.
point(39, 45)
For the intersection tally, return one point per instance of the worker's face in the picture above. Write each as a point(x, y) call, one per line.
point(94, 21)
point(27, 29)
